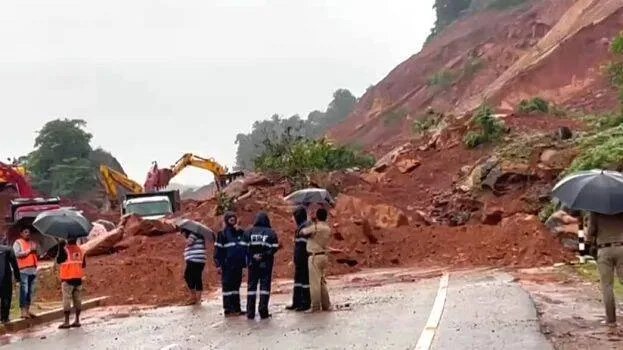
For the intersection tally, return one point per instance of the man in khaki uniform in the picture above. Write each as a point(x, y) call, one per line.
point(607, 230)
point(319, 234)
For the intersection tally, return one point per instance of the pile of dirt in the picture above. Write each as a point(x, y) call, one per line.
point(148, 269)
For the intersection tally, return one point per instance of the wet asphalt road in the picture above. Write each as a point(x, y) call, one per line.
point(483, 310)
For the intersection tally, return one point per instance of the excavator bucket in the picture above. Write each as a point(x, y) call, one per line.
point(158, 179)
point(234, 175)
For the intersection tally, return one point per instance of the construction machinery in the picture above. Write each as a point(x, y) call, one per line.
point(10, 175)
point(159, 178)
point(20, 205)
point(112, 178)
point(152, 205)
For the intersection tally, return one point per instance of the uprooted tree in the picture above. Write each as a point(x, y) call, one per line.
point(251, 145)
point(296, 157)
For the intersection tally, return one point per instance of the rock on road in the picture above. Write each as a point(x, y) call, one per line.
point(482, 310)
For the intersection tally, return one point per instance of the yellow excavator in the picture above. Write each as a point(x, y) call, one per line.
point(159, 178)
point(112, 178)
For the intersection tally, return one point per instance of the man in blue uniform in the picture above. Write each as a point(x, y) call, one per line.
point(263, 244)
point(230, 249)
point(300, 293)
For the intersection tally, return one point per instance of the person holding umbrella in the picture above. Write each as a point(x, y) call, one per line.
point(67, 225)
point(607, 232)
point(600, 193)
point(318, 238)
point(300, 291)
point(71, 260)
point(196, 235)
point(195, 258)
point(230, 251)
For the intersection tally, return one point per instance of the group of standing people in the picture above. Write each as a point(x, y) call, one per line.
point(311, 242)
point(22, 261)
point(254, 249)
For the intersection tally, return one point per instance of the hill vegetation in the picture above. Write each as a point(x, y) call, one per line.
point(280, 130)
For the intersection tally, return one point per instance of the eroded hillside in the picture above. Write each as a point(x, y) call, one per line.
point(555, 49)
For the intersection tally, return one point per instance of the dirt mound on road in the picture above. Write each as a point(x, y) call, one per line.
point(369, 231)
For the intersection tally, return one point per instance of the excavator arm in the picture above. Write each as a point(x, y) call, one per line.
point(112, 178)
point(160, 178)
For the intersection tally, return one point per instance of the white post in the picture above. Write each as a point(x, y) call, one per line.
point(581, 244)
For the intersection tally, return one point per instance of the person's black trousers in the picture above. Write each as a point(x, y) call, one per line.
point(300, 293)
point(193, 274)
point(6, 294)
point(261, 275)
point(231, 280)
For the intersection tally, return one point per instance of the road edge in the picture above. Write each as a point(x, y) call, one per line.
point(47, 316)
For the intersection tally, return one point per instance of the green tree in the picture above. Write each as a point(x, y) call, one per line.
point(297, 157)
point(252, 145)
point(60, 164)
point(446, 11)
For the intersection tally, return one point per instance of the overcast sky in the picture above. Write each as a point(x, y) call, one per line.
point(155, 79)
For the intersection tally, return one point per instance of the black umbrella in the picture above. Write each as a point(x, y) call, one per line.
point(310, 196)
point(62, 223)
point(599, 191)
point(195, 227)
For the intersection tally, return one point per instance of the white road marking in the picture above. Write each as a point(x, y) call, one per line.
point(428, 333)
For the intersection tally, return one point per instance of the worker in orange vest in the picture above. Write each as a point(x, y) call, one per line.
point(72, 263)
point(27, 259)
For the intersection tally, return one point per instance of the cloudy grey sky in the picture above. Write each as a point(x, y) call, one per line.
point(158, 78)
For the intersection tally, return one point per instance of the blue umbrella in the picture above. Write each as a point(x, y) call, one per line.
point(62, 223)
point(599, 191)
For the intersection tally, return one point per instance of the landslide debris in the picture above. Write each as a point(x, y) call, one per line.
point(141, 261)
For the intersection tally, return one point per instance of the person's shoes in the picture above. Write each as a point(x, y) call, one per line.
point(302, 308)
point(240, 313)
point(4, 321)
point(76, 325)
point(265, 316)
point(64, 326)
point(250, 317)
point(228, 313)
point(25, 314)
point(291, 307)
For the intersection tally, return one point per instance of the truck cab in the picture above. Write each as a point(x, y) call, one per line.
point(151, 206)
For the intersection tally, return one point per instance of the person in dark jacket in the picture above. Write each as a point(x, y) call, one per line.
point(230, 249)
point(8, 270)
point(263, 244)
point(300, 293)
